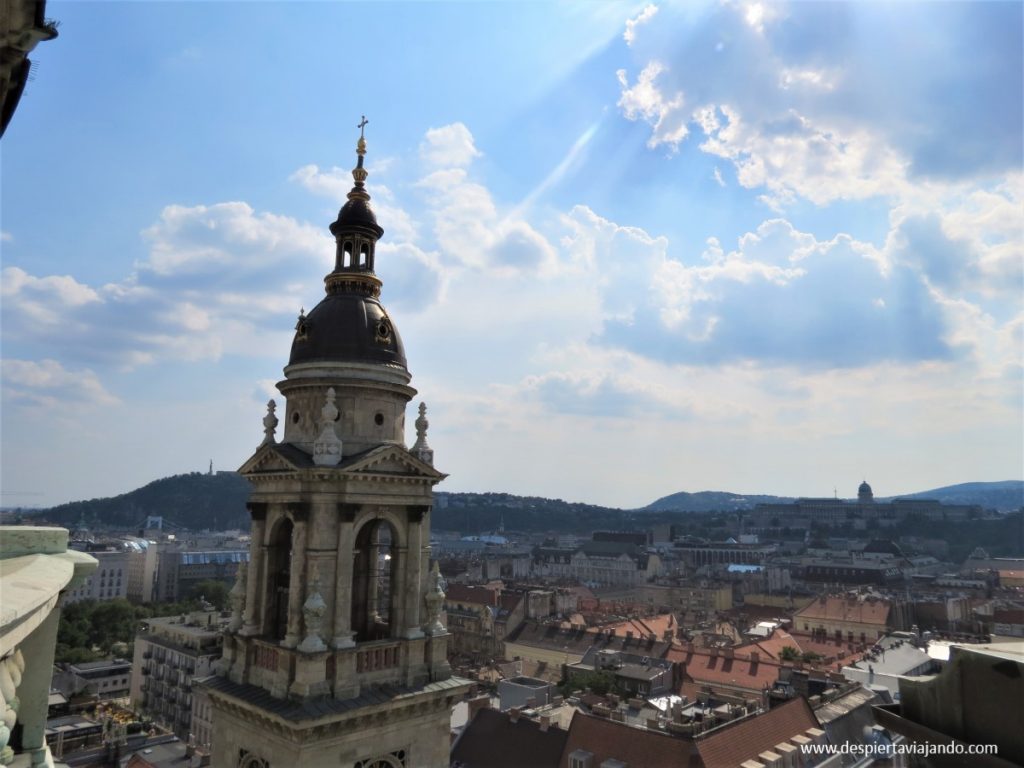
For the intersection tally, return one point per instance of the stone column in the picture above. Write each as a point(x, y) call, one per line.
point(399, 596)
point(413, 575)
point(34, 691)
point(296, 592)
point(342, 635)
point(257, 571)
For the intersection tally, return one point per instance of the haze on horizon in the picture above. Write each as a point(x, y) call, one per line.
point(632, 249)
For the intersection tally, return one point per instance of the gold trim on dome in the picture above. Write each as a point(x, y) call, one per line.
point(353, 282)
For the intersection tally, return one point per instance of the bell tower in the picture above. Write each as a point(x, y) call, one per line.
point(335, 654)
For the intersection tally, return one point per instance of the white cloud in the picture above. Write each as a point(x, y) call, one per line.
point(813, 79)
point(213, 239)
point(6, 237)
point(469, 230)
point(334, 183)
point(794, 157)
point(645, 100)
point(644, 16)
point(216, 276)
point(450, 146)
point(49, 384)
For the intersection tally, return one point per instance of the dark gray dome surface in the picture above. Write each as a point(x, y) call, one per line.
point(347, 327)
point(357, 212)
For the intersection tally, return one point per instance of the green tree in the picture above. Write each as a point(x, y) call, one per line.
point(789, 653)
point(213, 591)
point(600, 682)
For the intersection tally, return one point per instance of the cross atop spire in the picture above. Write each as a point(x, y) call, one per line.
point(361, 144)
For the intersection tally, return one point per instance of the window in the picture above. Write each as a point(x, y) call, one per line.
point(580, 759)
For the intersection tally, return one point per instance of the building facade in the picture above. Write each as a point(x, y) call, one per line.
point(170, 653)
point(109, 582)
point(336, 654)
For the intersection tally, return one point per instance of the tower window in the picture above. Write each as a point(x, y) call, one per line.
point(295, 417)
point(363, 254)
point(346, 256)
point(374, 575)
point(378, 419)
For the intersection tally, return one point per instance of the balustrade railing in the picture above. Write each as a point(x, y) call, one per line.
point(378, 657)
point(265, 657)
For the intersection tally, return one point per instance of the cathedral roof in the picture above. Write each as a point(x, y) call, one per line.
point(347, 327)
point(350, 325)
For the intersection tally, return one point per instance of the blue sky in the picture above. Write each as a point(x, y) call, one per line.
point(632, 248)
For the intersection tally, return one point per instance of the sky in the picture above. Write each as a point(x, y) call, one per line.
point(632, 249)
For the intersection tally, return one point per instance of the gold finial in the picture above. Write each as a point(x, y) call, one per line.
point(361, 146)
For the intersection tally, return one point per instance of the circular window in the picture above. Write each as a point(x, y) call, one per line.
point(378, 419)
point(295, 417)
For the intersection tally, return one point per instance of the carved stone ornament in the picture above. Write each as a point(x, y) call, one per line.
point(420, 449)
point(237, 597)
point(270, 424)
point(313, 611)
point(434, 600)
point(327, 446)
point(11, 669)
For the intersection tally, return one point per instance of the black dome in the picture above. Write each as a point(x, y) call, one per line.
point(350, 328)
point(356, 212)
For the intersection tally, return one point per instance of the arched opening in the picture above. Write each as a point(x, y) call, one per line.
point(346, 255)
point(374, 575)
point(279, 573)
point(364, 252)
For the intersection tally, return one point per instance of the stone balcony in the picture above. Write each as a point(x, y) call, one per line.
point(35, 568)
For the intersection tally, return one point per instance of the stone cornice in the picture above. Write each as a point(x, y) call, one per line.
point(403, 707)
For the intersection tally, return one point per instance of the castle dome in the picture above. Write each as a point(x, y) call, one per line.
point(864, 492)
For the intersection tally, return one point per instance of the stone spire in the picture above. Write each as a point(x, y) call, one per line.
point(270, 424)
point(420, 449)
point(356, 233)
point(327, 446)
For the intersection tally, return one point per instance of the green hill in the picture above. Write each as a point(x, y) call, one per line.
point(196, 501)
point(710, 501)
point(217, 502)
point(1005, 496)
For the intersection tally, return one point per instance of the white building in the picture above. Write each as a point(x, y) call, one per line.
point(110, 581)
point(169, 653)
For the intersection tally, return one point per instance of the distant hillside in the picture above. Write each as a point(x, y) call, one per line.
point(1005, 496)
point(472, 513)
point(196, 501)
point(710, 501)
point(201, 501)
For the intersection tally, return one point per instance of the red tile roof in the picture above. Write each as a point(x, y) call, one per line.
point(606, 739)
point(739, 672)
point(746, 739)
point(460, 593)
point(772, 646)
point(853, 609)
